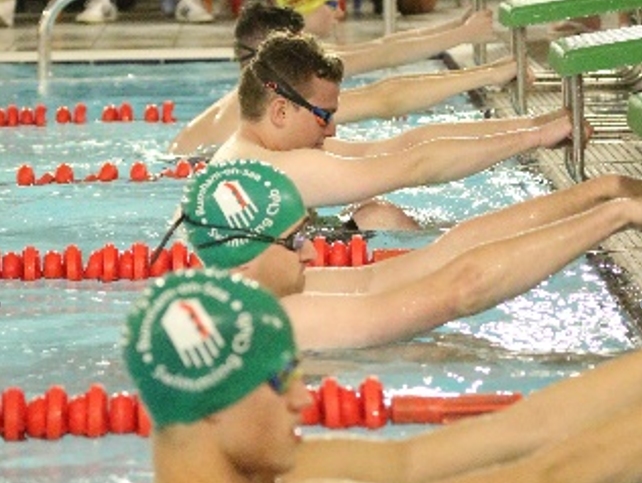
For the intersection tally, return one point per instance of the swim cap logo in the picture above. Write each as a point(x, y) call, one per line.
point(237, 206)
point(192, 333)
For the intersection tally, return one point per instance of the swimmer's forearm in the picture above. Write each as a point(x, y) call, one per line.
point(508, 267)
point(389, 97)
point(447, 159)
point(407, 50)
point(582, 406)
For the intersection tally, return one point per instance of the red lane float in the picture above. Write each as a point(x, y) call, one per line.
point(64, 174)
point(330, 404)
point(40, 113)
point(52, 266)
point(375, 412)
point(138, 172)
point(151, 113)
point(73, 263)
point(25, 176)
point(338, 256)
point(56, 420)
point(13, 115)
point(63, 115)
point(80, 113)
point(27, 116)
point(95, 413)
point(409, 409)
point(168, 112)
point(126, 113)
point(31, 264)
point(110, 113)
point(14, 412)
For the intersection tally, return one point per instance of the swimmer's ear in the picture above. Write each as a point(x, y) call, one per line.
point(277, 110)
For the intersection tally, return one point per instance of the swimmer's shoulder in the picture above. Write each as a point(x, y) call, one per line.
point(238, 148)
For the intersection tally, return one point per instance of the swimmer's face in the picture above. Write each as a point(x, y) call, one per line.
point(307, 130)
point(267, 445)
point(282, 271)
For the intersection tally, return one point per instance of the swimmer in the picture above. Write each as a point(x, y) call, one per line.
point(248, 216)
point(287, 119)
point(223, 352)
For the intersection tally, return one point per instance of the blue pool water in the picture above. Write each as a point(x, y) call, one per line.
point(58, 332)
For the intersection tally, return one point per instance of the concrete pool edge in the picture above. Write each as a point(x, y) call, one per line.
point(127, 55)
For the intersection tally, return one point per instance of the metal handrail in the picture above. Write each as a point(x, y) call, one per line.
point(479, 50)
point(389, 16)
point(45, 27)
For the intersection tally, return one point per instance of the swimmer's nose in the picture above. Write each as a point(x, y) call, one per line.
point(308, 252)
point(331, 129)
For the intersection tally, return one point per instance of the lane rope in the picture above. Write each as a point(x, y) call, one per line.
point(15, 116)
point(109, 264)
point(96, 413)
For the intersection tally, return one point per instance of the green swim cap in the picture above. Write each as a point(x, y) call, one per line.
point(236, 196)
point(198, 341)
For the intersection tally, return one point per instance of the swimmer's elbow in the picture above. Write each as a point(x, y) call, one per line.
point(472, 290)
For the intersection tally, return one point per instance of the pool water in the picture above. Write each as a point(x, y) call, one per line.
point(60, 332)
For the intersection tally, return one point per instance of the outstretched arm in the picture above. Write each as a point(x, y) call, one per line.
point(430, 132)
point(476, 280)
point(405, 34)
point(384, 98)
point(384, 52)
point(544, 419)
point(436, 161)
point(390, 96)
point(489, 227)
point(605, 452)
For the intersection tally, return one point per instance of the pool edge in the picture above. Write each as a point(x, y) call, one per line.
point(129, 55)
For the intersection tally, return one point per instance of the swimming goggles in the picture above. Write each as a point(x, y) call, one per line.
point(283, 89)
point(293, 242)
point(282, 380)
point(251, 52)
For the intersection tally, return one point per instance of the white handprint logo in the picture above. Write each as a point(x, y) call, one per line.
point(192, 333)
point(235, 203)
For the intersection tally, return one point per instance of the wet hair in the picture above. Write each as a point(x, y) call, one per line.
point(259, 19)
point(295, 59)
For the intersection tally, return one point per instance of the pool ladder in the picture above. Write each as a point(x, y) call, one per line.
point(45, 27)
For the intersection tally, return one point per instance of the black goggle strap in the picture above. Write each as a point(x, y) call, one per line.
point(235, 234)
point(251, 52)
point(157, 251)
point(282, 88)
